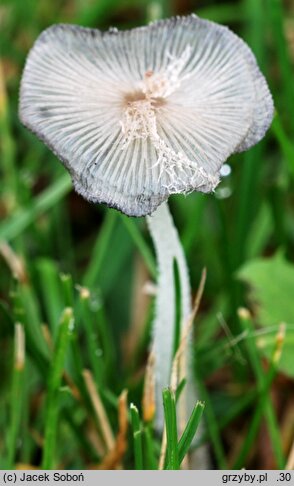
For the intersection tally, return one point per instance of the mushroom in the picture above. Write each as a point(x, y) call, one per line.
point(136, 116)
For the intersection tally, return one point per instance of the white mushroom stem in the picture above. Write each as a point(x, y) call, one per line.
point(168, 249)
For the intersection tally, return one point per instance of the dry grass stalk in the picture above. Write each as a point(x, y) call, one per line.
point(19, 347)
point(113, 458)
point(280, 339)
point(47, 336)
point(179, 361)
point(287, 430)
point(139, 309)
point(38, 438)
point(290, 461)
point(162, 450)
point(95, 439)
point(73, 388)
point(148, 401)
point(103, 421)
point(14, 262)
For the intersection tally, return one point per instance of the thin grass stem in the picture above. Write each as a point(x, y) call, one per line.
point(54, 382)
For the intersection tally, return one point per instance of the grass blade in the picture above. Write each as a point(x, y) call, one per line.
point(96, 355)
point(190, 430)
point(16, 224)
point(102, 244)
point(169, 405)
point(277, 19)
point(7, 147)
point(251, 166)
point(266, 406)
point(213, 427)
point(67, 288)
point(286, 145)
point(52, 406)
point(51, 291)
point(150, 449)
point(16, 405)
point(140, 243)
point(137, 436)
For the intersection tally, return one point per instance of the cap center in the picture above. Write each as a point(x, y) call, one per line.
point(141, 105)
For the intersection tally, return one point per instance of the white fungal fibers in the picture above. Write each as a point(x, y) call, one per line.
point(139, 121)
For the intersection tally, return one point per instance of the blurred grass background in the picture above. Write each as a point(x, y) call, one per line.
point(72, 274)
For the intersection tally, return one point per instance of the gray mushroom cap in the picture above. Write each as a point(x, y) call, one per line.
point(141, 114)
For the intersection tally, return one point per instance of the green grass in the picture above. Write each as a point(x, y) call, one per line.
point(74, 262)
point(54, 384)
point(137, 437)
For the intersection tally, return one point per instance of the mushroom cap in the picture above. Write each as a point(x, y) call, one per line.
point(138, 115)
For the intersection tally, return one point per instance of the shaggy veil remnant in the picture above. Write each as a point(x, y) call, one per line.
point(138, 115)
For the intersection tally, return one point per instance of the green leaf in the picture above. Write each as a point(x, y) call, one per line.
point(51, 291)
point(190, 430)
point(54, 383)
point(172, 452)
point(137, 437)
point(271, 282)
point(134, 231)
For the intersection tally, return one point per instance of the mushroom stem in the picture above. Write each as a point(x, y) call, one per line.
point(168, 249)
